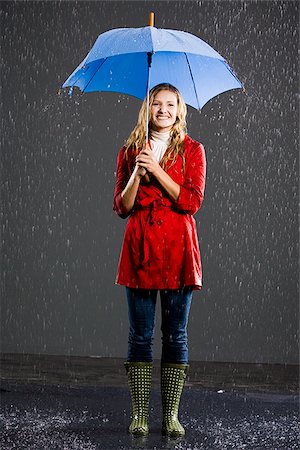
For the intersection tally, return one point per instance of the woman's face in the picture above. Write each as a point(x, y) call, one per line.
point(164, 111)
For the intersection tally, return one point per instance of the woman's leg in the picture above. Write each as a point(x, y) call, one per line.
point(175, 306)
point(141, 313)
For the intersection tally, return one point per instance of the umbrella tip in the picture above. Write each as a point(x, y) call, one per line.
point(151, 19)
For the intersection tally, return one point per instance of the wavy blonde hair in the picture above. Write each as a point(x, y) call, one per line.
point(137, 138)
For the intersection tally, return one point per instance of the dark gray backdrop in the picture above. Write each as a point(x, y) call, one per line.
point(60, 237)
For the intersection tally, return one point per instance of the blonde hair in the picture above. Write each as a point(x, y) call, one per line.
point(137, 138)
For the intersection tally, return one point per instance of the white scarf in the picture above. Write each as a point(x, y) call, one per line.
point(159, 143)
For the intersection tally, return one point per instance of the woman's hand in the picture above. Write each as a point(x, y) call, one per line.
point(145, 160)
point(139, 171)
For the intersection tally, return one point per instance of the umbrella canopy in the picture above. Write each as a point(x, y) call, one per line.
point(133, 60)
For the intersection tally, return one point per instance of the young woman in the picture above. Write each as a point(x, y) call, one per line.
point(160, 187)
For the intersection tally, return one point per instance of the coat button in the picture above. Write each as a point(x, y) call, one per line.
point(159, 222)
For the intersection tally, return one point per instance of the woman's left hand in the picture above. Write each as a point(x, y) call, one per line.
point(146, 159)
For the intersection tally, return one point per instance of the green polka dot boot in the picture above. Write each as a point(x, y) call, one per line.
point(172, 381)
point(139, 380)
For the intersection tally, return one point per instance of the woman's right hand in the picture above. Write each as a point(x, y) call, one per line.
point(140, 171)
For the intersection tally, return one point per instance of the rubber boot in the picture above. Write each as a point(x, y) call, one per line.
point(172, 382)
point(139, 380)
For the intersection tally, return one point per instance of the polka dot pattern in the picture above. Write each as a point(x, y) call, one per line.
point(139, 380)
point(172, 382)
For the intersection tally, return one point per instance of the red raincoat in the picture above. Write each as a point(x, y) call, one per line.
point(160, 248)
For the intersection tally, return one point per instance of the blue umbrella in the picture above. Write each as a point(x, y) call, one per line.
point(133, 60)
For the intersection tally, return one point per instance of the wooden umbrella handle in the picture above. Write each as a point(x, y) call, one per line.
point(151, 19)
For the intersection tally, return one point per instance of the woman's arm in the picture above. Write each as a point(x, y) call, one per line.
point(187, 197)
point(169, 185)
point(128, 195)
point(126, 185)
point(192, 190)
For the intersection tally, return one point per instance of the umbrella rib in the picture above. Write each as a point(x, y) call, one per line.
point(192, 79)
point(74, 84)
point(93, 75)
point(232, 72)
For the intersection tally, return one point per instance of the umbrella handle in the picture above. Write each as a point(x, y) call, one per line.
point(151, 19)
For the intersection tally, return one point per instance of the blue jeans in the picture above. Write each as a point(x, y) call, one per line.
point(175, 307)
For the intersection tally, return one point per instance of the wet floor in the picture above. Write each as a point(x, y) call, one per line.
point(60, 417)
